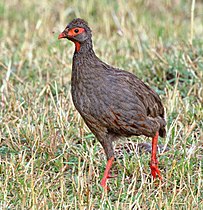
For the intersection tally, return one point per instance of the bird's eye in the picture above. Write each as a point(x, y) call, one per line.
point(76, 30)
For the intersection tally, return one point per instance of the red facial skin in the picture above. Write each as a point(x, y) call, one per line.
point(72, 33)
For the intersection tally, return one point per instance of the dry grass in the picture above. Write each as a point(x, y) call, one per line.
point(49, 159)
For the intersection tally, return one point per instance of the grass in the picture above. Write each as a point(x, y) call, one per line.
point(48, 157)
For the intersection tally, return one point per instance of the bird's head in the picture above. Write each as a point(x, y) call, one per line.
point(77, 31)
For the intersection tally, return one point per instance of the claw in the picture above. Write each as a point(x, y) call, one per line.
point(155, 171)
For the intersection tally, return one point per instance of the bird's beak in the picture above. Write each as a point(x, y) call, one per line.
point(63, 35)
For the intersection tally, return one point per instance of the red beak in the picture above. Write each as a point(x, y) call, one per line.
point(62, 35)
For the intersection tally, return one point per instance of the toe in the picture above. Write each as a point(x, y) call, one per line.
point(111, 176)
point(155, 171)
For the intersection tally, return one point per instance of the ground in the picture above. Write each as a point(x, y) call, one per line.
point(48, 157)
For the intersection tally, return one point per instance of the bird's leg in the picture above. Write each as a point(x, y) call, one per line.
point(106, 142)
point(154, 163)
point(106, 173)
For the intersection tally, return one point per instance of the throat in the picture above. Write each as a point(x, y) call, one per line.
point(77, 46)
point(83, 48)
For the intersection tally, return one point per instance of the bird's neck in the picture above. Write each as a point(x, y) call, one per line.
point(83, 54)
point(84, 49)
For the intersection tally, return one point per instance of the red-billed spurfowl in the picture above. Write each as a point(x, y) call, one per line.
point(113, 103)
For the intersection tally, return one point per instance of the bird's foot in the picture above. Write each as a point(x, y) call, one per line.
point(104, 181)
point(155, 170)
point(107, 174)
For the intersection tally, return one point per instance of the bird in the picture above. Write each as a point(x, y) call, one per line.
point(113, 103)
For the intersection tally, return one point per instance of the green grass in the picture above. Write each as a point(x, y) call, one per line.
point(48, 157)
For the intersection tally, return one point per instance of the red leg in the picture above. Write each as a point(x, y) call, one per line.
point(154, 163)
point(106, 173)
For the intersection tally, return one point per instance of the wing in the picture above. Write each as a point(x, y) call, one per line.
point(128, 83)
point(129, 106)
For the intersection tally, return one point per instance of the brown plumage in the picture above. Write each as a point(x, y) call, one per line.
point(112, 102)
